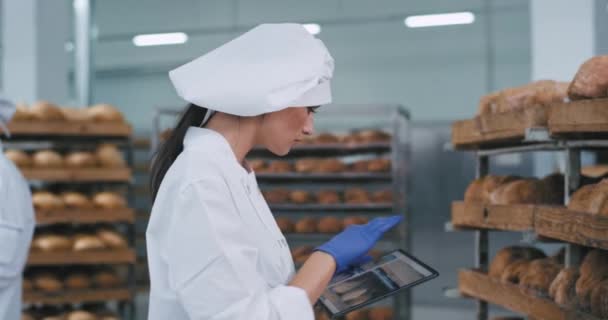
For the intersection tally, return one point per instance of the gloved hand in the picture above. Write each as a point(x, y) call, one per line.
point(350, 247)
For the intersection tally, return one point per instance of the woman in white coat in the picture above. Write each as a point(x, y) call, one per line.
point(214, 249)
point(16, 226)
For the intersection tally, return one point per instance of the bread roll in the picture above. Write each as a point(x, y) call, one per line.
point(105, 113)
point(307, 165)
point(77, 281)
point(591, 79)
point(306, 225)
point(43, 200)
point(595, 171)
point(19, 158)
point(359, 166)
point(88, 243)
point(51, 243)
point(382, 196)
point(76, 114)
point(593, 270)
point(112, 239)
point(300, 196)
point(279, 167)
point(599, 300)
point(325, 138)
point(47, 282)
point(581, 199)
point(328, 197)
point(76, 200)
point(379, 165)
point(47, 159)
point(508, 255)
point(22, 113)
point(539, 275)
point(109, 200)
point(348, 221)
point(360, 314)
point(80, 160)
point(276, 195)
point(514, 271)
point(27, 285)
point(562, 289)
point(381, 313)
point(329, 225)
point(80, 315)
point(257, 165)
point(369, 136)
point(46, 111)
point(488, 104)
point(356, 196)
point(491, 183)
point(285, 224)
point(106, 279)
point(525, 191)
point(331, 166)
point(109, 156)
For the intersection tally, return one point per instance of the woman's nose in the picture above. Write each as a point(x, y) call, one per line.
point(309, 126)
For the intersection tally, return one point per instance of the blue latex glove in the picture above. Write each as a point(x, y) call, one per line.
point(350, 247)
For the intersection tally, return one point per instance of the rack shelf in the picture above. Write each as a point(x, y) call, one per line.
point(125, 256)
point(332, 207)
point(506, 218)
point(316, 177)
point(330, 149)
point(572, 226)
point(78, 175)
point(85, 216)
point(65, 128)
point(480, 286)
point(78, 296)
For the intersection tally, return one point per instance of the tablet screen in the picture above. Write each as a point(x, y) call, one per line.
point(374, 281)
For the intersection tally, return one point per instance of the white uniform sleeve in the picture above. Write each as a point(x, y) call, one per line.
point(213, 271)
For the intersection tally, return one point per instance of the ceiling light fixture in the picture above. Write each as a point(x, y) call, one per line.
point(441, 19)
point(160, 39)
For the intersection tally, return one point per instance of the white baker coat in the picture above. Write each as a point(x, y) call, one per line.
point(16, 228)
point(214, 248)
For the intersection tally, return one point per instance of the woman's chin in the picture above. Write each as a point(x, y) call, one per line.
point(280, 151)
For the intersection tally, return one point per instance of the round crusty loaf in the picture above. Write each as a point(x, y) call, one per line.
point(109, 156)
point(514, 271)
point(46, 111)
point(379, 165)
point(356, 196)
point(325, 138)
point(27, 285)
point(44, 200)
point(590, 81)
point(474, 192)
point(328, 197)
point(329, 225)
point(369, 136)
point(306, 165)
point(279, 166)
point(112, 239)
point(52, 243)
point(525, 191)
point(76, 114)
point(106, 279)
point(109, 200)
point(562, 289)
point(80, 315)
point(382, 196)
point(76, 200)
point(276, 195)
point(47, 282)
point(80, 159)
point(300, 196)
point(508, 255)
point(593, 270)
point(285, 224)
point(47, 159)
point(77, 281)
point(19, 158)
point(105, 113)
point(257, 165)
point(491, 183)
point(22, 113)
point(306, 225)
point(359, 166)
point(88, 243)
point(599, 300)
point(331, 166)
point(539, 275)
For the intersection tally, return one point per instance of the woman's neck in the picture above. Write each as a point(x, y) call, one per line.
point(240, 132)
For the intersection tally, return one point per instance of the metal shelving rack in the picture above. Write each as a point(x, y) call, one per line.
point(391, 118)
point(535, 140)
point(83, 136)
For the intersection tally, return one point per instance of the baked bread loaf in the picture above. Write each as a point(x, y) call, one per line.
point(307, 165)
point(381, 313)
point(46, 111)
point(599, 300)
point(356, 196)
point(328, 197)
point(47, 159)
point(306, 225)
point(379, 165)
point(87, 243)
point(595, 171)
point(19, 158)
point(525, 191)
point(76, 114)
point(491, 183)
point(285, 224)
point(562, 289)
point(77, 281)
point(325, 138)
point(80, 315)
point(514, 271)
point(348, 221)
point(22, 113)
point(508, 255)
point(112, 239)
point(106, 279)
point(539, 275)
point(105, 113)
point(370, 136)
point(474, 192)
point(257, 165)
point(51, 243)
point(382, 196)
point(329, 225)
point(331, 166)
point(109, 156)
point(580, 200)
point(593, 270)
point(76, 200)
point(44, 200)
point(539, 93)
point(109, 200)
point(300, 196)
point(591, 80)
point(359, 166)
point(80, 159)
point(276, 195)
point(278, 166)
point(47, 282)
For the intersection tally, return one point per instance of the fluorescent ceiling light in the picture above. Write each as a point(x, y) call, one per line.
point(442, 19)
point(160, 39)
point(312, 28)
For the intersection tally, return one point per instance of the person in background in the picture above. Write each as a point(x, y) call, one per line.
point(16, 225)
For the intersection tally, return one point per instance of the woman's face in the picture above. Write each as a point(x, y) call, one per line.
point(280, 130)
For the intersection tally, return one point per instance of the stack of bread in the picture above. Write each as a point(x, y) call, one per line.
point(320, 165)
point(507, 190)
point(536, 94)
point(56, 280)
point(57, 240)
point(327, 196)
point(46, 111)
point(105, 156)
point(326, 224)
point(44, 200)
point(357, 137)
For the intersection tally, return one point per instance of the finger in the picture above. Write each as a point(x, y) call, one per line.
point(387, 223)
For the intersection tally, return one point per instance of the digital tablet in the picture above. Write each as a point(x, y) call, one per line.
point(374, 281)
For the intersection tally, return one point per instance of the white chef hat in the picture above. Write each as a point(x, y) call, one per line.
point(267, 69)
point(7, 109)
